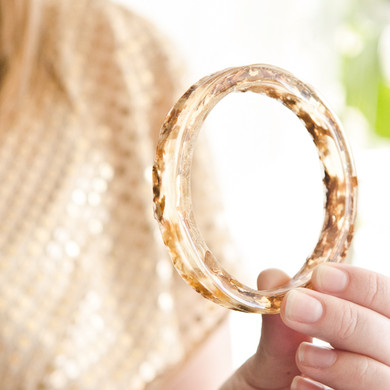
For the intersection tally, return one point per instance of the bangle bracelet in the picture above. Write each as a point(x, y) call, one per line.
point(172, 183)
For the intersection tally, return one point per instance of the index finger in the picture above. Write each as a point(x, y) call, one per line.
point(363, 287)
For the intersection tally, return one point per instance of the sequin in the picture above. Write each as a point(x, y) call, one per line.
point(78, 243)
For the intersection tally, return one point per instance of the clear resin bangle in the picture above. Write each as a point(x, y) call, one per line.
point(172, 183)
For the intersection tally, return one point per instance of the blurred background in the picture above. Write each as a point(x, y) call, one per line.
point(266, 164)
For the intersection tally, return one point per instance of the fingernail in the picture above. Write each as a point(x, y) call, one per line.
point(330, 278)
point(314, 356)
point(300, 383)
point(302, 307)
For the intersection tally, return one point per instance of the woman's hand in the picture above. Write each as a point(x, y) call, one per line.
point(348, 307)
point(351, 310)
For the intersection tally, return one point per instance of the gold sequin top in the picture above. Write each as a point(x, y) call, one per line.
point(88, 296)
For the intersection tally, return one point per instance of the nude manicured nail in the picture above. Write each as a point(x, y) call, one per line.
point(317, 357)
point(331, 279)
point(300, 383)
point(302, 307)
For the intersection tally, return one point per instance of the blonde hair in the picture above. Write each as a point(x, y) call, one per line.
point(20, 34)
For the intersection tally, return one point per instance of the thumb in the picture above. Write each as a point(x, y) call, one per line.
point(273, 365)
point(275, 357)
point(277, 340)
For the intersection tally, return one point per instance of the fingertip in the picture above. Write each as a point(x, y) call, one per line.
point(304, 383)
point(299, 351)
point(330, 278)
point(295, 383)
point(272, 278)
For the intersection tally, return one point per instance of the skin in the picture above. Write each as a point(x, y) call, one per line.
point(207, 367)
point(349, 308)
